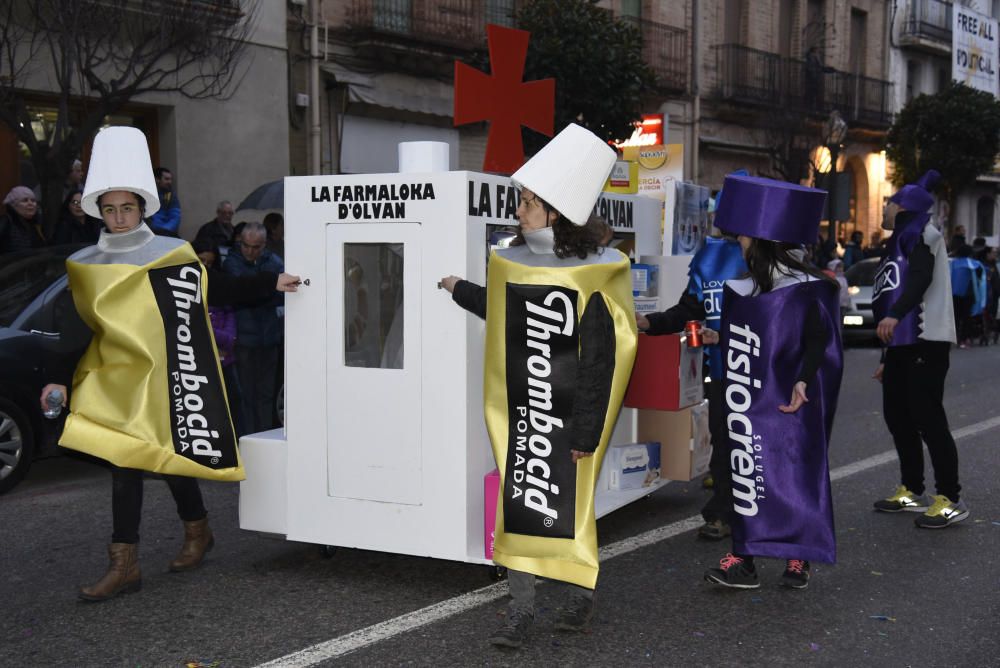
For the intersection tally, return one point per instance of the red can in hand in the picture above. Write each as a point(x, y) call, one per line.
point(693, 331)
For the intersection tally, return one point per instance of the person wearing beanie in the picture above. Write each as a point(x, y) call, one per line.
point(560, 345)
point(780, 338)
point(21, 222)
point(147, 395)
point(912, 302)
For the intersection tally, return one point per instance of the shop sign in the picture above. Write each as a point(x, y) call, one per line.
point(650, 131)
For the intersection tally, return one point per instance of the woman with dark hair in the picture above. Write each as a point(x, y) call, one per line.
point(780, 339)
point(560, 344)
point(74, 225)
point(21, 225)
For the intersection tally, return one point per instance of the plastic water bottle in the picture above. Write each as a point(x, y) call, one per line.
point(53, 404)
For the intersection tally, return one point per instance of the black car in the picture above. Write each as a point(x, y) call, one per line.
point(41, 340)
point(859, 319)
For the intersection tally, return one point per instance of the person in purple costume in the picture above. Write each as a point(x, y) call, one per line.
point(912, 302)
point(781, 349)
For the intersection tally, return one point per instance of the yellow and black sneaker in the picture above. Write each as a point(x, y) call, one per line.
point(902, 500)
point(942, 513)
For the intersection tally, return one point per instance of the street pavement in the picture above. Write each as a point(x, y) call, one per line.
point(898, 596)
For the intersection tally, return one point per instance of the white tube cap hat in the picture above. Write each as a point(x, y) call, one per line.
point(120, 161)
point(569, 172)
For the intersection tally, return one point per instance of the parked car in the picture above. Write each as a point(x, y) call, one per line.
point(41, 340)
point(859, 320)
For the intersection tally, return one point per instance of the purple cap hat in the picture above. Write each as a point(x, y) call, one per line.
point(917, 196)
point(769, 209)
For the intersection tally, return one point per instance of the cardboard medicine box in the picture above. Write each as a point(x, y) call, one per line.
point(632, 466)
point(667, 375)
point(684, 438)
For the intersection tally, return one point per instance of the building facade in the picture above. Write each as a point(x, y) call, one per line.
point(920, 59)
point(217, 148)
point(742, 84)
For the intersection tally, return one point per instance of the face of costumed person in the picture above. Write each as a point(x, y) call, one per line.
point(531, 215)
point(120, 211)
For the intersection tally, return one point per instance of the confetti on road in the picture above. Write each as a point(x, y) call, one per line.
point(814, 647)
point(882, 618)
point(876, 573)
point(699, 634)
point(996, 523)
point(756, 599)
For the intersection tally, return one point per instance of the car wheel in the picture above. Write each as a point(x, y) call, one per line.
point(17, 445)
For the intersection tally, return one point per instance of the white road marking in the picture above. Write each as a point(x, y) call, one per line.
point(391, 628)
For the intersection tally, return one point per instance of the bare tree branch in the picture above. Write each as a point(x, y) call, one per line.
point(99, 55)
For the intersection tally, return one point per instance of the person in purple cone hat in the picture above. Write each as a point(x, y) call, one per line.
point(781, 349)
point(912, 302)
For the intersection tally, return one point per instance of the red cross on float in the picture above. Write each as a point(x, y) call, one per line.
point(504, 99)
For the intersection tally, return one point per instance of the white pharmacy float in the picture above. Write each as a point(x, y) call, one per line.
point(384, 446)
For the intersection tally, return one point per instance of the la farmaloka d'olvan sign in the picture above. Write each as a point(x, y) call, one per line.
point(974, 49)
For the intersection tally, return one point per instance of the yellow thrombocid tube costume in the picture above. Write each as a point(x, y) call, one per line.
point(545, 516)
point(148, 393)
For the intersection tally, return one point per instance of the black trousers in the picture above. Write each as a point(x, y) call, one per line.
point(912, 401)
point(720, 505)
point(126, 501)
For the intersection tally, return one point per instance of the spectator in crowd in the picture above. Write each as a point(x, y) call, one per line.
point(166, 221)
point(853, 252)
point(74, 225)
point(218, 232)
point(223, 319)
point(259, 331)
point(21, 222)
point(988, 258)
point(978, 244)
point(968, 289)
point(275, 226)
point(74, 180)
point(875, 246)
point(957, 239)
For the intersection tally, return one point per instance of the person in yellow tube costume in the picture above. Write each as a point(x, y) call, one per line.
point(560, 344)
point(148, 392)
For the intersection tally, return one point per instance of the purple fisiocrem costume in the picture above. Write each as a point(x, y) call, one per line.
point(781, 480)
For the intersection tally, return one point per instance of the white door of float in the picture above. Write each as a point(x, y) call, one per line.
point(373, 370)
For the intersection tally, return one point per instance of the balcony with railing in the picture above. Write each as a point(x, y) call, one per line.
point(452, 24)
point(664, 48)
point(927, 25)
point(757, 78)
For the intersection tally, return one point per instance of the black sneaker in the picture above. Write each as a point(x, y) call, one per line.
point(714, 530)
point(575, 616)
point(735, 572)
point(796, 575)
point(514, 630)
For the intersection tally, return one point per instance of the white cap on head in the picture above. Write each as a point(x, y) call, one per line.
point(120, 161)
point(569, 172)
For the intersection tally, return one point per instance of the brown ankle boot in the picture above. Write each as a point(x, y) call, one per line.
point(123, 574)
point(198, 540)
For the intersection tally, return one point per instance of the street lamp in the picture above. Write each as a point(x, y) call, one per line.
point(834, 133)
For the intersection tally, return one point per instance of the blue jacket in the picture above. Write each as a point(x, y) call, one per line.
point(258, 326)
point(167, 221)
point(968, 278)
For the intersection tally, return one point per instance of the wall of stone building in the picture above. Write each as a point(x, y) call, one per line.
point(223, 149)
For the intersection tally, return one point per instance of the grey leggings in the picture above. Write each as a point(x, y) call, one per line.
point(522, 591)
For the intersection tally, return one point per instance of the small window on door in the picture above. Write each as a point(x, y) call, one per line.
point(373, 305)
